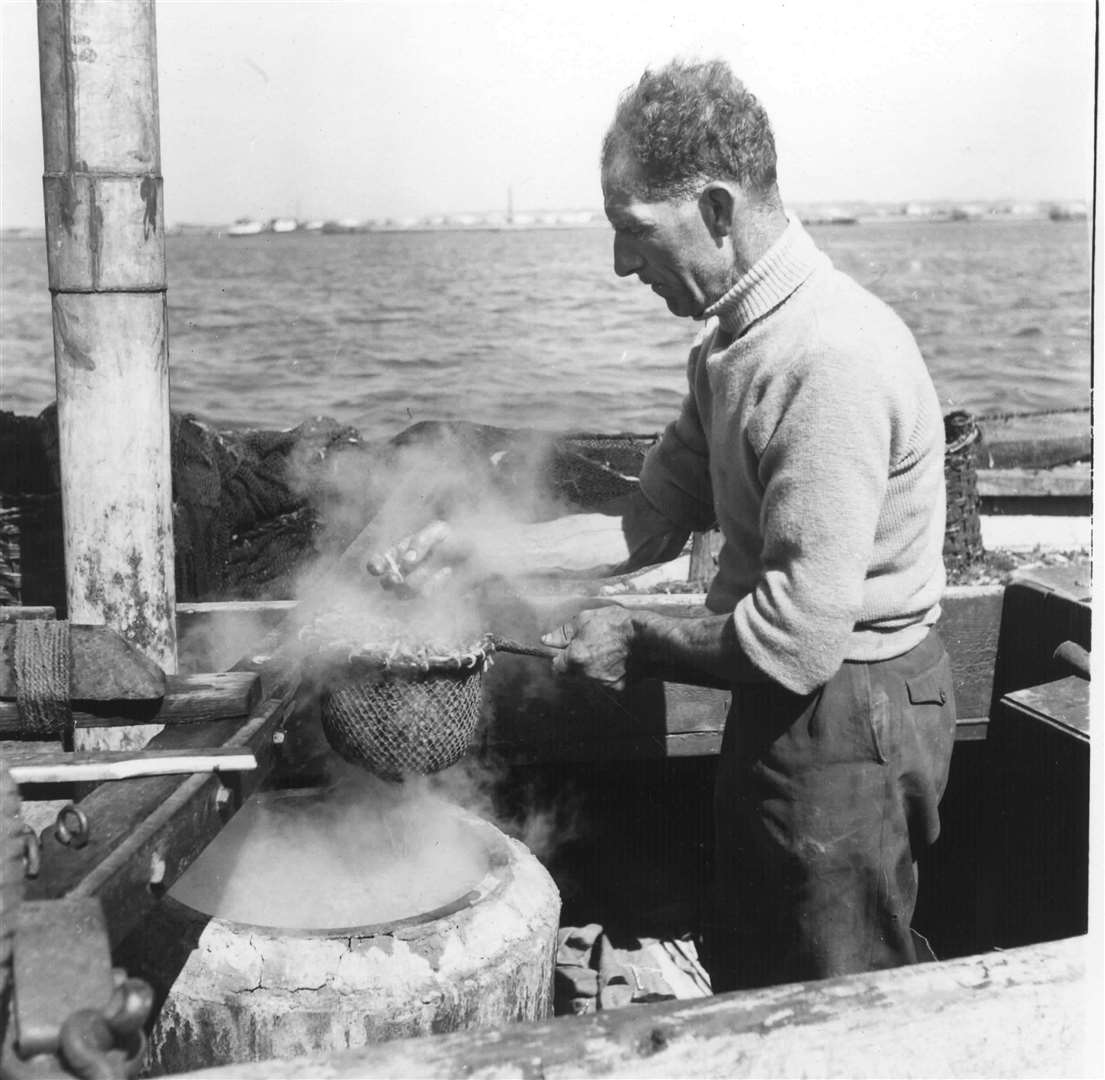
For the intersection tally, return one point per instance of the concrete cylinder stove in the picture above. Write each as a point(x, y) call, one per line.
point(240, 990)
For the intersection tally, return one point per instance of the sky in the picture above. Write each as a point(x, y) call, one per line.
point(394, 108)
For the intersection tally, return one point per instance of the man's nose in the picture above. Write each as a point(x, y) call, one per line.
point(627, 259)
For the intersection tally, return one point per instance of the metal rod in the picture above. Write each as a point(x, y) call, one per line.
point(544, 652)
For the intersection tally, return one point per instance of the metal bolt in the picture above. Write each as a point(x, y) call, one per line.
point(223, 801)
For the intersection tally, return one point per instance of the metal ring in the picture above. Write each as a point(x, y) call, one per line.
point(71, 828)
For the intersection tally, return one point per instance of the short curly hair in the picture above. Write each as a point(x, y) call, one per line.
point(690, 121)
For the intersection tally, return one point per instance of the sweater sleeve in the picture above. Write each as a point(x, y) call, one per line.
point(823, 436)
point(675, 477)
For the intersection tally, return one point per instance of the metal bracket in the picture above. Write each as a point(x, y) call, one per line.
point(70, 1008)
point(61, 962)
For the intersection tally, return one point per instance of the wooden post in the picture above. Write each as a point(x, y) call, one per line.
point(106, 260)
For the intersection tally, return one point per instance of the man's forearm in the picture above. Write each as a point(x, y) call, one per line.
point(708, 645)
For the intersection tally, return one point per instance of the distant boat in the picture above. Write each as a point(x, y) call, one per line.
point(345, 225)
point(245, 227)
point(283, 225)
point(1068, 212)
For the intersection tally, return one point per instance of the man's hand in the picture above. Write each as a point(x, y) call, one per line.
point(597, 644)
point(421, 563)
point(615, 645)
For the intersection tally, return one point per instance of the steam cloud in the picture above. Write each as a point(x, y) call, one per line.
point(365, 850)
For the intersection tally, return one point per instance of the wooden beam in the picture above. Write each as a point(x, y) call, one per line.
point(145, 833)
point(15, 614)
point(189, 699)
point(105, 243)
point(54, 766)
point(536, 716)
point(1062, 481)
point(103, 666)
point(1025, 1012)
point(215, 635)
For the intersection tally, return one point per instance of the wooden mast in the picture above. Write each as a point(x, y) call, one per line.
point(106, 259)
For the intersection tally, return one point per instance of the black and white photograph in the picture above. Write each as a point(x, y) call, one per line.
point(549, 539)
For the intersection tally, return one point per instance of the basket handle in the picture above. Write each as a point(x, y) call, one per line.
point(502, 644)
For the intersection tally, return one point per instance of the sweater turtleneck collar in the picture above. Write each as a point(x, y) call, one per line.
point(787, 263)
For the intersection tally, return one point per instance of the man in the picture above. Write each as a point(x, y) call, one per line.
point(812, 436)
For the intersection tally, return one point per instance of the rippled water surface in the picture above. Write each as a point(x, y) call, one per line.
point(532, 328)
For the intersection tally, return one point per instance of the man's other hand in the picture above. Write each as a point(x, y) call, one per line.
point(419, 564)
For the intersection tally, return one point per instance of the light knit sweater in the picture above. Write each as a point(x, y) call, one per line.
point(812, 436)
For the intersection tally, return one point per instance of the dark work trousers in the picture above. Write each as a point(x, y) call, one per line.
point(822, 805)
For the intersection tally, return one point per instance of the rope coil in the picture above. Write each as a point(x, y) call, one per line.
point(42, 677)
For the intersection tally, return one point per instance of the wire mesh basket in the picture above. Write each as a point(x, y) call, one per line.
point(395, 721)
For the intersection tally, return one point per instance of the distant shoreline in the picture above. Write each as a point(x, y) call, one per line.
point(912, 214)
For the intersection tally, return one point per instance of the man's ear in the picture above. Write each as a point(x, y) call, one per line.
point(718, 206)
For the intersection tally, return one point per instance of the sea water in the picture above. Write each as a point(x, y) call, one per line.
point(531, 328)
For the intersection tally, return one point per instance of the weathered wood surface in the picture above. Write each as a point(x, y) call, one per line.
point(1024, 1013)
point(1063, 704)
point(1038, 853)
point(55, 766)
point(1064, 481)
point(105, 242)
point(1035, 440)
point(538, 716)
point(103, 666)
point(148, 831)
point(188, 699)
point(15, 614)
point(215, 635)
point(1036, 618)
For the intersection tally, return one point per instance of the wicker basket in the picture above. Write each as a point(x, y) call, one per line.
point(395, 723)
point(963, 531)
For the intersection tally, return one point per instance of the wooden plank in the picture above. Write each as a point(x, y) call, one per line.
point(103, 666)
point(216, 609)
point(537, 716)
point(54, 766)
point(1035, 453)
point(189, 699)
point(1074, 579)
point(969, 624)
point(213, 636)
point(1035, 620)
point(1038, 483)
point(1018, 1013)
point(1063, 705)
point(15, 614)
point(147, 832)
